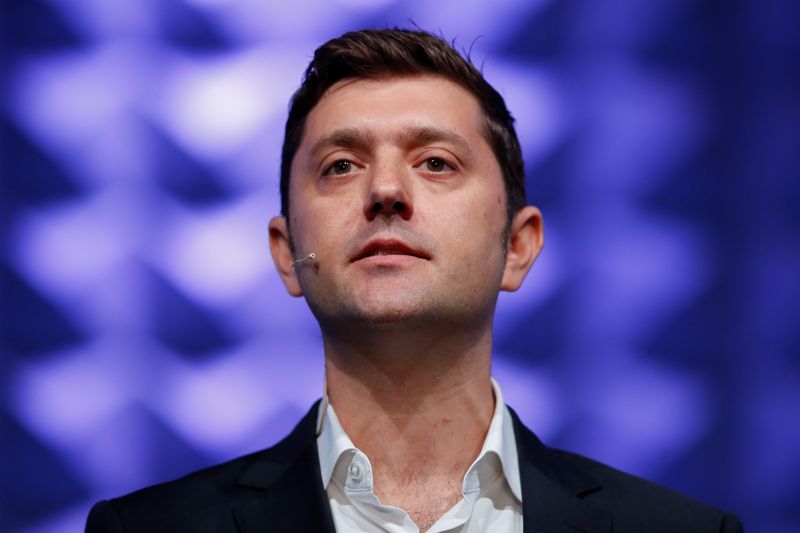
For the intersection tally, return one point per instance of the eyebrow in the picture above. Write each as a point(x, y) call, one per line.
point(411, 136)
point(341, 138)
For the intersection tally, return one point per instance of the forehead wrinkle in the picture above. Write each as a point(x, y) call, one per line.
point(408, 136)
point(342, 138)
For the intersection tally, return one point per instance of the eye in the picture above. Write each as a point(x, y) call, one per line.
point(437, 165)
point(341, 167)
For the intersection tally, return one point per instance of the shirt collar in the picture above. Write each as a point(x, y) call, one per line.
point(500, 440)
point(332, 442)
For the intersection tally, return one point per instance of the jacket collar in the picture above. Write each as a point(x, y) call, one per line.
point(555, 494)
point(288, 486)
point(289, 495)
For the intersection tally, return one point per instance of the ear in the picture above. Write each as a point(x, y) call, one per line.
point(525, 241)
point(282, 255)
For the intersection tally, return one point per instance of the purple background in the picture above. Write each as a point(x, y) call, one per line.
point(145, 333)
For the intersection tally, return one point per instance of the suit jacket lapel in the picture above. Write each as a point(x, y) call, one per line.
point(555, 494)
point(289, 493)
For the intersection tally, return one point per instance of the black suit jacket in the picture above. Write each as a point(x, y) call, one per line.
point(280, 489)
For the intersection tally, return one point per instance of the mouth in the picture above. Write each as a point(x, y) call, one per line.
point(382, 247)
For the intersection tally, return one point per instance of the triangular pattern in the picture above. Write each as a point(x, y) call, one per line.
point(657, 332)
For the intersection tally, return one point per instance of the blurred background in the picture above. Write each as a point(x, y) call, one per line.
point(145, 333)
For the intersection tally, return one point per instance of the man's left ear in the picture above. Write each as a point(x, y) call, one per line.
point(525, 241)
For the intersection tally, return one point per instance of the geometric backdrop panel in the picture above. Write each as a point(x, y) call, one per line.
point(145, 333)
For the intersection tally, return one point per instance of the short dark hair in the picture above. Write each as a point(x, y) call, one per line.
point(399, 52)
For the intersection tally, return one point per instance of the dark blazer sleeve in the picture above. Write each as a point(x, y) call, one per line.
point(103, 519)
point(274, 490)
point(563, 491)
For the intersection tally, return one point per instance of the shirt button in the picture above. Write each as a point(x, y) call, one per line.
point(355, 472)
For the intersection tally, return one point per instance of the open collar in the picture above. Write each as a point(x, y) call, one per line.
point(288, 494)
point(333, 442)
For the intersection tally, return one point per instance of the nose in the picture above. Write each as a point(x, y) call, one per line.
point(388, 195)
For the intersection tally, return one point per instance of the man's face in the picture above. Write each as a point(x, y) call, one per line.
point(399, 195)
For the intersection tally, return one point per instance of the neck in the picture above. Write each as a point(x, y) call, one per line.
point(417, 405)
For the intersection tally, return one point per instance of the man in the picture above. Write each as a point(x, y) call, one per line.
point(404, 215)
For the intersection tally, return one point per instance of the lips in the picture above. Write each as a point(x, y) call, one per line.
point(388, 247)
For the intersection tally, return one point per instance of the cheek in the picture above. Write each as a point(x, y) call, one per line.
point(320, 226)
point(489, 221)
point(306, 216)
point(472, 228)
point(304, 232)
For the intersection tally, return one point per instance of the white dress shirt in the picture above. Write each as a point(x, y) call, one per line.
point(492, 493)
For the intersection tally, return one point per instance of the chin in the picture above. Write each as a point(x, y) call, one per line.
point(392, 316)
point(393, 311)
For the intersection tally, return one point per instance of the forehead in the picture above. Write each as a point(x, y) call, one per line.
point(382, 106)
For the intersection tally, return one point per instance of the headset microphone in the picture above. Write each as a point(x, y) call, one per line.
point(310, 257)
